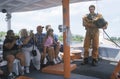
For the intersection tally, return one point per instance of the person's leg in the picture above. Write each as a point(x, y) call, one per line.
point(50, 53)
point(43, 60)
point(95, 46)
point(36, 59)
point(87, 43)
point(57, 49)
point(10, 59)
point(27, 54)
point(21, 57)
point(53, 55)
point(44, 52)
point(43, 55)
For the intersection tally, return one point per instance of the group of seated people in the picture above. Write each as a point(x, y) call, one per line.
point(28, 45)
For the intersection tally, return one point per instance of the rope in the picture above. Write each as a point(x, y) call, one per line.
point(111, 39)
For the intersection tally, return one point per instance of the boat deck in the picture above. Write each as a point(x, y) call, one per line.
point(102, 71)
point(40, 75)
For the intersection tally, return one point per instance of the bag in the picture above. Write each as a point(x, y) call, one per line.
point(34, 52)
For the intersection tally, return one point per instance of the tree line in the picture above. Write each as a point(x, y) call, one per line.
point(78, 38)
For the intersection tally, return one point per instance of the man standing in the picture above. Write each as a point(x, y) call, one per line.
point(92, 35)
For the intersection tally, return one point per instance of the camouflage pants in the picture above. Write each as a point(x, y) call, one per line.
point(91, 41)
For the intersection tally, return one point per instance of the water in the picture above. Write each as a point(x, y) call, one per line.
point(75, 43)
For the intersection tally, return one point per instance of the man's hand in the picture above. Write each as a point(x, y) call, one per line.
point(105, 27)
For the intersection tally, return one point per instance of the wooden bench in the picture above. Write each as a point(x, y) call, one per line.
point(57, 68)
point(74, 54)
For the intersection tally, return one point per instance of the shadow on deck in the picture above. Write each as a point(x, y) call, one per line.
point(103, 70)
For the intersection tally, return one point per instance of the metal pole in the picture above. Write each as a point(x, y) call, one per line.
point(66, 19)
point(9, 24)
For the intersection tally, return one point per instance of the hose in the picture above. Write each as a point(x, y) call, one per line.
point(110, 38)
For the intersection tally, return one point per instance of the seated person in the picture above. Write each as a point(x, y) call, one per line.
point(56, 46)
point(39, 41)
point(27, 47)
point(11, 51)
point(49, 43)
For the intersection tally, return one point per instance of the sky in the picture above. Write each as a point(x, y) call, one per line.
point(53, 16)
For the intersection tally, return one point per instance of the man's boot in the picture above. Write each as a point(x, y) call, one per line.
point(94, 62)
point(85, 61)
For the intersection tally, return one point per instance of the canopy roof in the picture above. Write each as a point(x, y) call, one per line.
point(30, 5)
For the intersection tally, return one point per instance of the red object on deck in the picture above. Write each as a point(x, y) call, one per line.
point(57, 69)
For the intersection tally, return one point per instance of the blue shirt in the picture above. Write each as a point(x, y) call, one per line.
point(29, 44)
point(40, 38)
point(55, 37)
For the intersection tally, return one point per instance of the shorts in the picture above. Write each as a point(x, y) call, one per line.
point(11, 52)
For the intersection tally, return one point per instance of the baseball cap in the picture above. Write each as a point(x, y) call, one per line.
point(40, 26)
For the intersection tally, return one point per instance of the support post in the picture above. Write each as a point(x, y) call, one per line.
point(9, 24)
point(67, 71)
